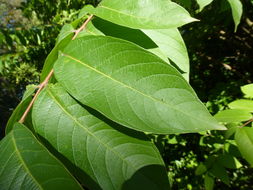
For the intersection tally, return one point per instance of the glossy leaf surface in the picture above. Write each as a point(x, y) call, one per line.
point(26, 164)
point(108, 156)
point(131, 86)
point(244, 140)
point(142, 14)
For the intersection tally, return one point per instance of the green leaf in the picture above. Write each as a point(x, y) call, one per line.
point(232, 127)
point(200, 169)
point(90, 29)
point(27, 164)
point(220, 172)
point(203, 3)
point(82, 13)
point(237, 10)
point(66, 30)
point(244, 140)
point(172, 45)
point(246, 105)
point(102, 27)
point(160, 54)
point(209, 182)
point(29, 91)
point(52, 57)
point(148, 14)
point(99, 26)
point(229, 161)
point(248, 90)
point(131, 86)
point(234, 115)
point(113, 157)
point(20, 109)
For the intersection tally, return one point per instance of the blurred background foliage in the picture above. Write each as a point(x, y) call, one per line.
point(221, 62)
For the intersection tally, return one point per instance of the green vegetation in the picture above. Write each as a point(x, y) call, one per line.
point(125, 107)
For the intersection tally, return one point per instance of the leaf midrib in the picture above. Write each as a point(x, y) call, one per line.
point(22, 161)
point(123, 13)
point(131, 88)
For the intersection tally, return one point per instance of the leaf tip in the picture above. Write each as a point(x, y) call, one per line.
point(220, 127)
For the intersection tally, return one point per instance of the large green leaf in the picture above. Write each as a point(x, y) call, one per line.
point(102, 27)
point(27, 164)
point(131, 86)
point(237, 10)
point(172, 45)
point(112, 158)
point(244, 140)
point(142, 14)
point(242, 104)
point(248, 90)
point(203, 3)
point(20, 109)
point(233, 115)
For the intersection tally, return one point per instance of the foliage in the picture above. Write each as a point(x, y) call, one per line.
point(127, 88)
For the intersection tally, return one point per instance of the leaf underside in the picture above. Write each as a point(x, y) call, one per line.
point(26, 164)
point(131, 86)
point(112, 156)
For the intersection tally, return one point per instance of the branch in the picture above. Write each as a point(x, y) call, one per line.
point(44, 83)
point(41, 86)
point(82, 27)
point(248, 122)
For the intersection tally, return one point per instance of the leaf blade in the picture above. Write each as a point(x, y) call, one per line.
point(248, 90)
point(20, 109)
point(28, 165)
point(233, 115)
point(237, 9)
point(242, 104)
point(141, 14)
point(203, 3)
point(172, 45)
point(244, 140)
point(109, 156)
point(149, 91)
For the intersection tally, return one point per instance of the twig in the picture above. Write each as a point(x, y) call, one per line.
point(248, 122)
point(82, 27)
point(44, 83)
point(41, 86)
